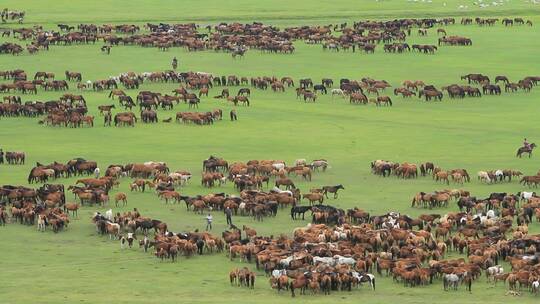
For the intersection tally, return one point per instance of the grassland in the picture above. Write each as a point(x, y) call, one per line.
point(79, 266)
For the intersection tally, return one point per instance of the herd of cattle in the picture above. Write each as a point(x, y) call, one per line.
point(237, 38)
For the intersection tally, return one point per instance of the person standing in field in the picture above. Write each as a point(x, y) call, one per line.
point(96, 172)
point(209, 222)
point(174, 63)
point(107, 119)
point(228, 214)
point(233, 115)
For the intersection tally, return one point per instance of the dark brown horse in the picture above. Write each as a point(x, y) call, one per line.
point(526, 150)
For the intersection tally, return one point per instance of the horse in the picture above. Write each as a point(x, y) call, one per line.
point(451, 281)
point(120, 197)
point(338, 92)
point(297, 210)
point(73, 207)
point(526, 150)
point(332, 189)
point(238, 52)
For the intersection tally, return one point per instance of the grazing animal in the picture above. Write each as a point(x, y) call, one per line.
point(332, 189)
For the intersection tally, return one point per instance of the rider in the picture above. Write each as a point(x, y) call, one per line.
point(174, 63)
point(526, 144)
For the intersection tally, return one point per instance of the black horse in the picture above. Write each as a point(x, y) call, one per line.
point(321, 88)
point(297, 210)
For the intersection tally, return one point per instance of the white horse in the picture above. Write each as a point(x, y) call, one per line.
point(493, 271)
point(499, 174)
point(324, 260)
point(279, 191)
point(535, 286)
point(341, 235)
point(344, 260)
point(41, 224)
point(276, 273)
point(300, 162)
point(154, 163)
point(242, 208)
point(451, 281)
point(525, 196)
point(278, 166)
point(366, 277)
point(338, 92)
point(286, 261)
point(109, 215)
point(484, 176)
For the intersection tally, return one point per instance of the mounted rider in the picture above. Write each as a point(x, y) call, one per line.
point(526, 144)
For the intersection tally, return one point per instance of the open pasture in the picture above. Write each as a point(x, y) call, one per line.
point(77, 264)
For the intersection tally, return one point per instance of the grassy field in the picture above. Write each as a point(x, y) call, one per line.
point(77, 265)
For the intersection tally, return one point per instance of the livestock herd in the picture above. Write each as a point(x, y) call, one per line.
point(70, 109)
point(457, 176)
point(237, 39)
point(340, 249)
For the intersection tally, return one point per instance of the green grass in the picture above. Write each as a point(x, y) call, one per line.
point(79, 266)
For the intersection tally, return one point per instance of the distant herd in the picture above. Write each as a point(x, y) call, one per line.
point(70, 109)
point(237, 38)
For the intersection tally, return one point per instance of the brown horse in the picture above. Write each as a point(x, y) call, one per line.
point(120, 197)
point(284, 181)
point(73, 207)
point(529, 150)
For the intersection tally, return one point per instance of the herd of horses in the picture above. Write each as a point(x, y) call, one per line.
point(323, 259)
point(11, 15)
point(70, 109)
point(15, 157)
point(457, 176)
point(237, 38)
point(167, 245)
point(40, 207)
point(338, 251)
